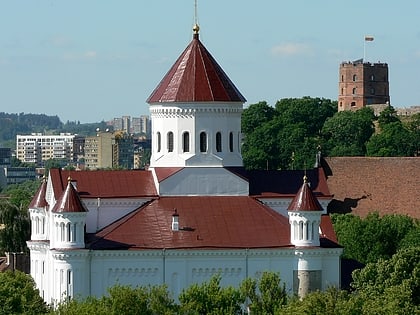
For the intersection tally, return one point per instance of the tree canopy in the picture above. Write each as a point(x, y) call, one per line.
point(18, 295)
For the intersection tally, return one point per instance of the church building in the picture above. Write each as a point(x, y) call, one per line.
point(194, 213)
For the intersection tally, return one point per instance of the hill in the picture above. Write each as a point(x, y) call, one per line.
point(14, 124)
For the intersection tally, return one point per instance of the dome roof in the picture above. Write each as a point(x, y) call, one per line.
point(305, 199)
point(69, 201)
point(39, 200)
point(196, 77)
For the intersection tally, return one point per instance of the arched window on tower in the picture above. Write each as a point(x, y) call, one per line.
point(354, 77)
point(170, 141)
point(159, 144)
point(203, 142)
point(354, 91)
point(186, 142)
point(231, 141)
point(372, 77)
point(218, 142)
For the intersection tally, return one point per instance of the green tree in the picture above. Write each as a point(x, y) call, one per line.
point(286, 137)
point(18, 295)
point(16, 227)
point(387, 116)
point(371, 238)
point(256, 115)
point(270, 296)
point(393, 140)
point(393, 284)
point(346, 133)
point(145, 300)
point(210, 298)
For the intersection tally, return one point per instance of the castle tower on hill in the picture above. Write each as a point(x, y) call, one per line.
point(362, 83)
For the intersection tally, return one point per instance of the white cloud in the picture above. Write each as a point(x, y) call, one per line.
point(290, 49)
point(90, 54)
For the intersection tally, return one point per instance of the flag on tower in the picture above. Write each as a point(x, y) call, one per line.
point(368, 38)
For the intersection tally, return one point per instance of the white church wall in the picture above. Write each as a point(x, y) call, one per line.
point(104, 211)
point(204, 182)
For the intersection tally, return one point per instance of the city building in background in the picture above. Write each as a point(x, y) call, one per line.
point(109, 150)
point(362, 83)
point(38, 148)
point(132, 125)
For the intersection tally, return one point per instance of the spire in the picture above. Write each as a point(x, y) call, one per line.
point(195, 77)
point(69, 200)
point(196, 27)
point(39, 200)
point(305, 199)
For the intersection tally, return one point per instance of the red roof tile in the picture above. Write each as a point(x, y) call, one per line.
point(164, 172)
point(305, 199)
point(69, 201)
point(205, 222)
point(39, 201)
point(106, 184)
point(389, 185)
point(196, 77)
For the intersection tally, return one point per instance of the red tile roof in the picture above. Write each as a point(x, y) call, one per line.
point(205, 222)
point(305, 199)
point(389, 185)
point(106, 184)
point(196, 77)
point(39, 201)
point(69, 201)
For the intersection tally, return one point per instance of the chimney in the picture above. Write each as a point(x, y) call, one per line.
point(175, 221)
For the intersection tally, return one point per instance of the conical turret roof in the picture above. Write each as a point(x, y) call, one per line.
point(196, 77)
point(305, 199)
point(69, 201)
point(39, 200)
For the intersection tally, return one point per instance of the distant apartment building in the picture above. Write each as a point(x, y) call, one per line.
point(5, 157)
point(109, 150)
point(37, 148)
point(141, 125)
point(362, 83)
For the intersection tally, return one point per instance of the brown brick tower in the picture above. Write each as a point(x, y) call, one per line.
point(362, 83)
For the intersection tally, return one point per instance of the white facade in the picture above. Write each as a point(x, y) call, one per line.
point(193, 146)
point(36, 148)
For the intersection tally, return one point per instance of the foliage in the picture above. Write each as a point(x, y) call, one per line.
point(346, 133)
point(284, 137)
point(16, 228)
point(374, 237)
point(18, 295)
point(392, 283)
point(210, 298)
point(393, 140)
point(14, 216)
point(387, 116)
point(265, 295)
point(147, 300)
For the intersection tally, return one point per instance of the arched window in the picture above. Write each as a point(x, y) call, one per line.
point(372, 77)
point(231, 142)
point(342, 78)
point(203, 142)
point(218, 142)
point(342, 91)
point(159, 142)
point(170, 141)
point(186, 142)
point(354, 77)
point(354, 90)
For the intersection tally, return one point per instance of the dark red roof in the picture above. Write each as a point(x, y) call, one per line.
point(69, 201)
point(305, 199)
point(106, 183)
point(39, 201)
point(196, 77)
point(205, 222)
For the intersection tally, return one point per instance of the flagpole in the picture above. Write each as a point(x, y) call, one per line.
point(368, 38)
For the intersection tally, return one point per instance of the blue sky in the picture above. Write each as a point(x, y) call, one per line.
point(92, 60)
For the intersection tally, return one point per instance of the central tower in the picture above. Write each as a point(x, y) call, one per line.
point(196, 113)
